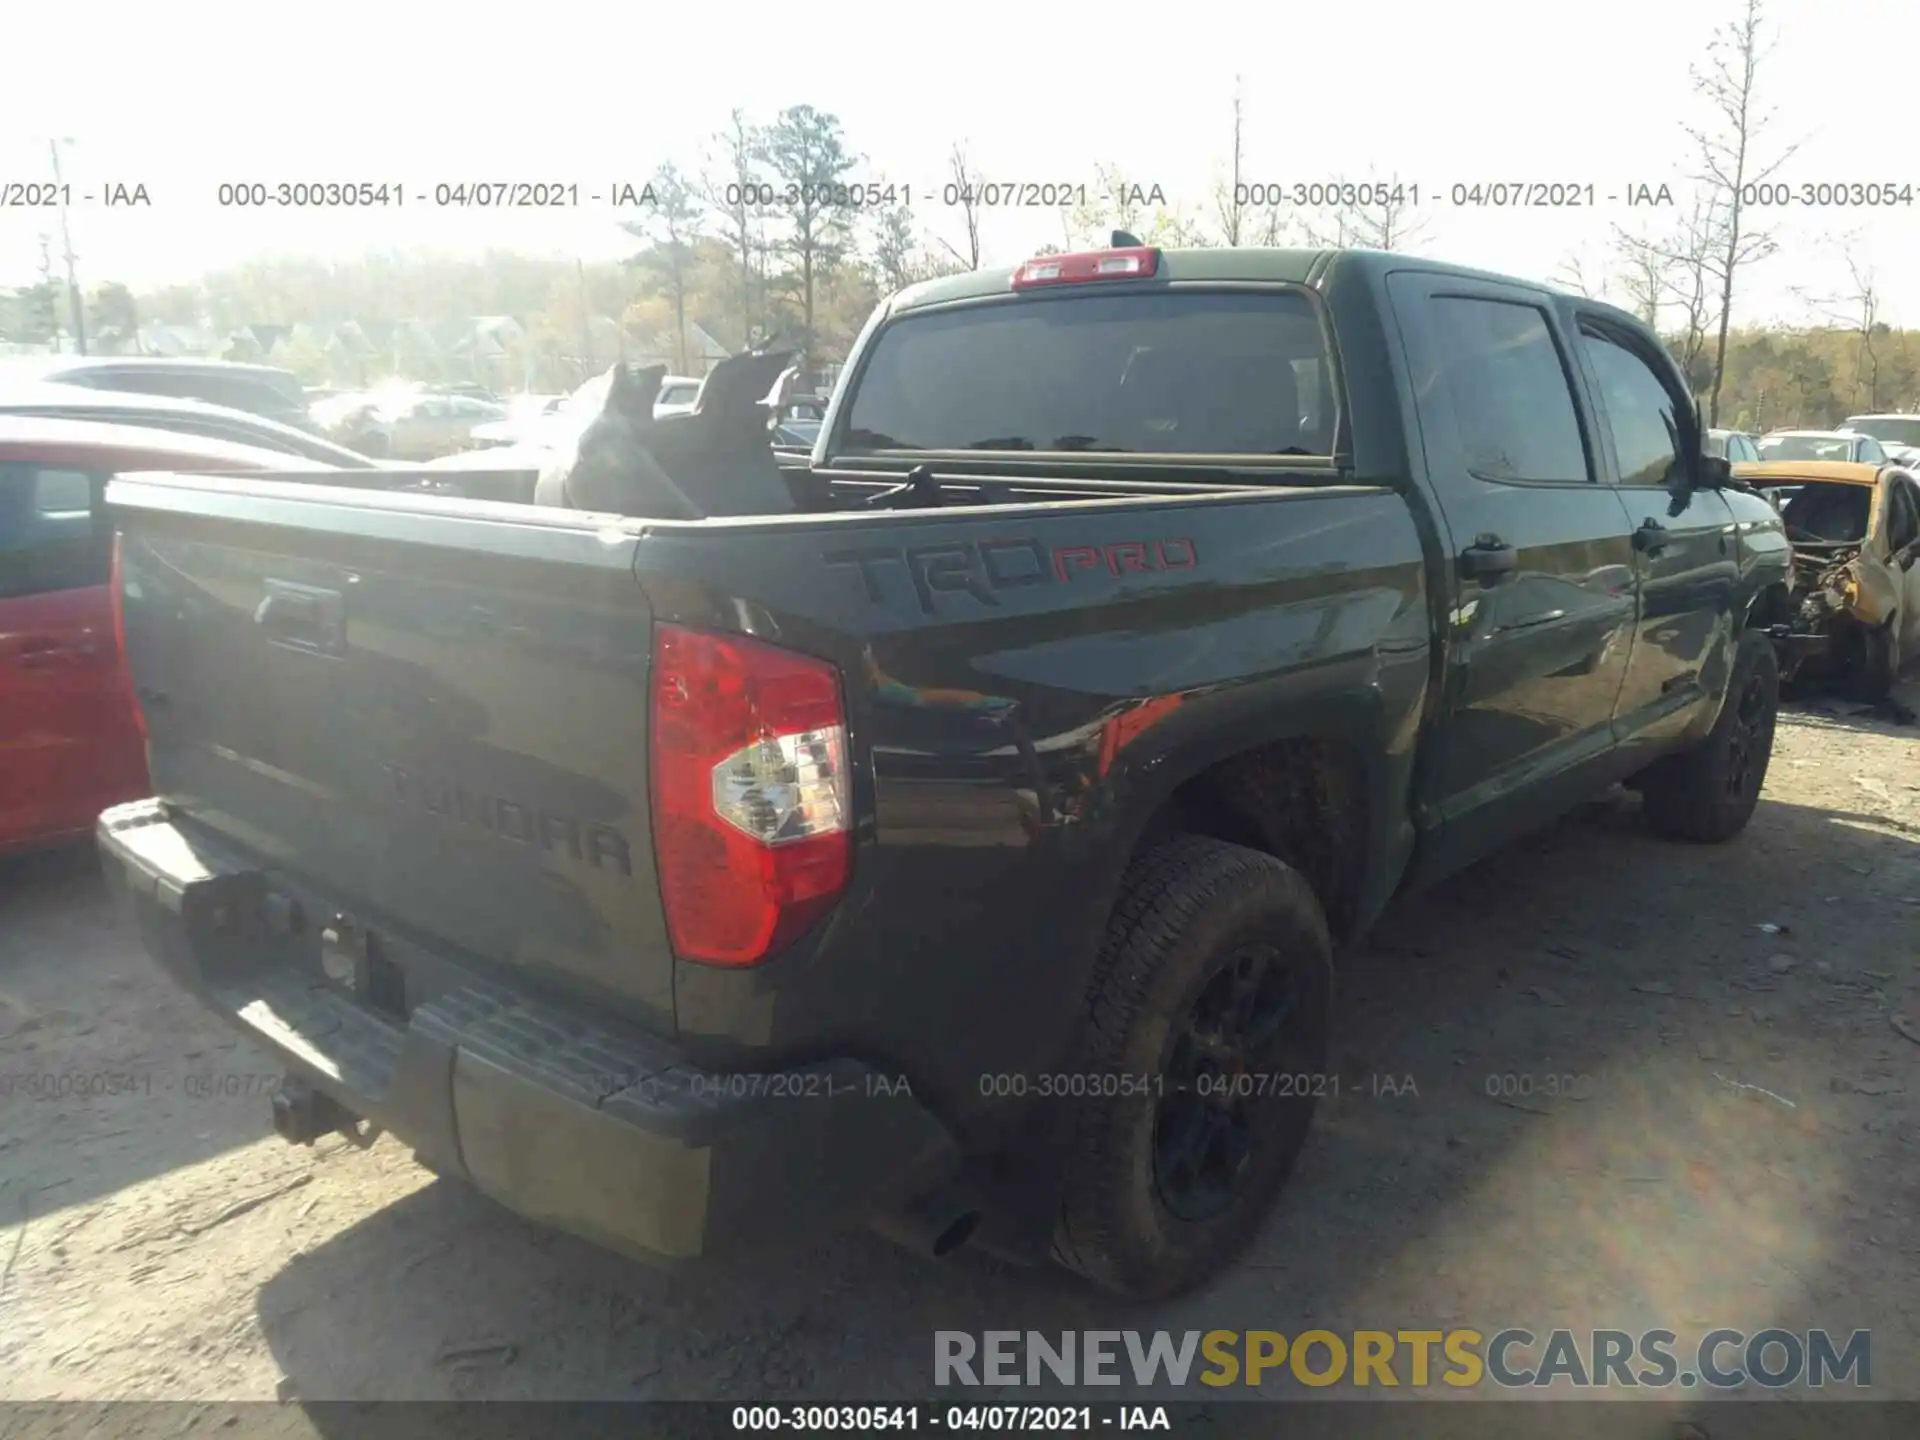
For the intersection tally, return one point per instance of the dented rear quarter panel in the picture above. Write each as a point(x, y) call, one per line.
point(1024, 689)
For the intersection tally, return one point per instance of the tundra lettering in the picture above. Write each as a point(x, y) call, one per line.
point(979, 568)
point(601, 846)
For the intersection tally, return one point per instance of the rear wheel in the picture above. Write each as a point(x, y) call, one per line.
point(1708, 793)
point(1876, 664)
point(1205, 1052)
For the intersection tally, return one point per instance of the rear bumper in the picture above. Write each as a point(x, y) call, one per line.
point(563, 1117)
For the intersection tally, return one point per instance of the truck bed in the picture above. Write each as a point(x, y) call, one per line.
point(434, 710)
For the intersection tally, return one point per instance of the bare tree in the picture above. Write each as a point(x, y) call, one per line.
point(1115, 203)
point(1572, 274)
point(965, 181)
point(1729, 156)
point(732, 186)
point(1381, 216)
point(1690, 287)
point(1272, 223)
point(1866, 309)
point(1228, 197)
point(671, 229)
point(1645, 270)
point(1677, 270)
point(1855, 308)
point(1111, 204)
point(896, 248)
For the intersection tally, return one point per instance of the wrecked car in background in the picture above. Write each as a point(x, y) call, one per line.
point(1855, 530)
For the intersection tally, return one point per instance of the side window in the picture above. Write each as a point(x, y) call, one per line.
point(1640, 411)
point(245, 395)
point(1903, 522)
point(1871, 453)
point(149, 382)
point(1511, 398)
point(51, 534)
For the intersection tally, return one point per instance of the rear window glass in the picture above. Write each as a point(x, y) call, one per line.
point(1897, 430)
point(1182, 373)
point(1828, 514)
point(49, 538)
point(1807, 447)
point(257, 396)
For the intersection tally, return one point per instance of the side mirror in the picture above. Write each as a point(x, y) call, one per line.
point(1716, 472)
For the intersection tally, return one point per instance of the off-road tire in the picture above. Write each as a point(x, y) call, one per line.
point(1188, 908)
point(1707, 794)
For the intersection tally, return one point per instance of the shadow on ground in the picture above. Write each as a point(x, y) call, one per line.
point(93, 1100)
point(1581, 1086)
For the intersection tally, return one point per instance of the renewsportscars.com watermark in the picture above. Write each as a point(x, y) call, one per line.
point(1509, 1359)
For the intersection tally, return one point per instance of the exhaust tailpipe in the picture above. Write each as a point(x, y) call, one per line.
point(936, 1224)
point(302, 1114)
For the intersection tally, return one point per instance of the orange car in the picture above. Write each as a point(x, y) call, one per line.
point(1855, 531)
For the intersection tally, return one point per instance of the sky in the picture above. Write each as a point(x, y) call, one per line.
point(186, 97)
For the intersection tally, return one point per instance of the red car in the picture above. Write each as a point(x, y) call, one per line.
point(70, 741)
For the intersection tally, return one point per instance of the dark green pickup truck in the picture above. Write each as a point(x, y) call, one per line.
point(964, 848)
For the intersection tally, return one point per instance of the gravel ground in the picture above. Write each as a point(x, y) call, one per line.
point(1739, 1150)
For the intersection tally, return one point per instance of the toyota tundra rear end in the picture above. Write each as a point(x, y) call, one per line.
point(438, 820)
point(693, 883)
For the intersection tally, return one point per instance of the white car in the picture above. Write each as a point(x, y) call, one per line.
point(1736, 447)
point(552, 427)
point(677, 395)
point(1842, 445)
point(1899, 435)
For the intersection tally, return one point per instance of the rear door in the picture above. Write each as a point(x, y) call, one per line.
point(1683, 543)
point(1542, 627)
point(1903, 550)
point(69, 747)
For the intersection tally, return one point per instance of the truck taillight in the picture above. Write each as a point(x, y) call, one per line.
point(751, 801)
point(1132, 262)
point(116, 584)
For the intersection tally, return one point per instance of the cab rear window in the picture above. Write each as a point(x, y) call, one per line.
point(50, 534)
point(1174, 373)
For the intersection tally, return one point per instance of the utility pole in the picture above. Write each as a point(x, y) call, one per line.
point(74, 305)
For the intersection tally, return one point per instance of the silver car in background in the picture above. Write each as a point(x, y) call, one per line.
point(1899, 435)
point(1846, 446)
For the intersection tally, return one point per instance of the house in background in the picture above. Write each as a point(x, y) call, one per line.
point(192, 341)
point(702, 354)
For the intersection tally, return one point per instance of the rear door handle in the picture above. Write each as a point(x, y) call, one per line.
point(304, 617)
point(1488, 560)
point(1650, 538)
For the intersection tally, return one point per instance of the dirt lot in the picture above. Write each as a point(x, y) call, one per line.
point(160, 1242)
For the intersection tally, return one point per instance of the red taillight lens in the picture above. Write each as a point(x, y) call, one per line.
point(751, 826)
point(116, 584)
point(1134, 262)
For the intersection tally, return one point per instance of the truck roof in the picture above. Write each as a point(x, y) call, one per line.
point(1245, 264)
point(1843, 472)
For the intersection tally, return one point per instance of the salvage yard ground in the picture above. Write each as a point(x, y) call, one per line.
point(1739, 1150)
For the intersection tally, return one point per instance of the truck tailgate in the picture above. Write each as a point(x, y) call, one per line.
point(433, 718)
